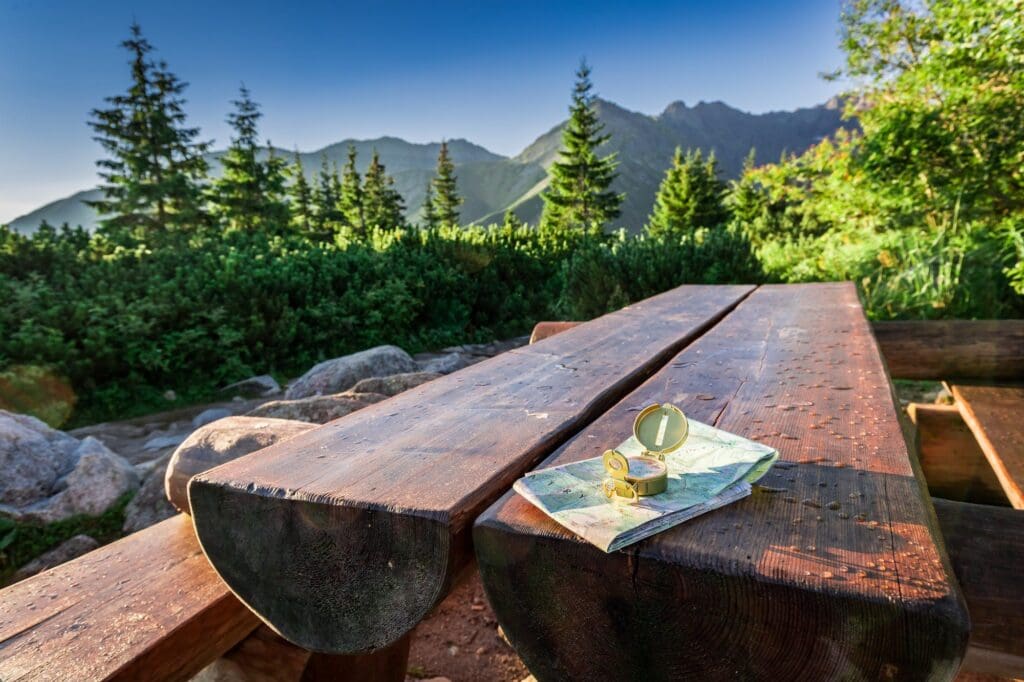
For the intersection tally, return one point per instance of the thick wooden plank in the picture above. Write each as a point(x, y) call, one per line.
point(147, 607)
point(343, 538)
point(953, 349)
point(986, 548)
point(952, 461)
point(996, 417)
point(833, 569)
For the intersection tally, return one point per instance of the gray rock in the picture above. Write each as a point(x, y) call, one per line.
point(222, 441)
point(447, 363)
point(211, 415)
point(150, 504)
point(170, 396)
point(66, 551)
point(98, 479)
point(168, 441)
point(32, 457)
point(318, 409)
point(46, 475)
point(340, 374)
point(394, 384)
point(260, 386)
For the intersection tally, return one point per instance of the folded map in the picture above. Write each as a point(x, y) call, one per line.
point(712, 468)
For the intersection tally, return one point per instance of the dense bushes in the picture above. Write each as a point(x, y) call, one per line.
point(125, 322)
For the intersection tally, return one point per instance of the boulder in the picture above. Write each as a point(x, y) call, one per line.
point(317, 409)
point(222, 441)
point(97, 480)
point(64, 552)
point(32, 457)
point(260, 386)
point(446, 363)
point(394, 384)
point(211, 415)
point(340, 374)
point(150, 504)
point(47, 475)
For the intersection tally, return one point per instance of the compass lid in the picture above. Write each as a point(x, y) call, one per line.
point(661, 428)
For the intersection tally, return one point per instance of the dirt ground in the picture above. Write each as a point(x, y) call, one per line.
point(460, 641)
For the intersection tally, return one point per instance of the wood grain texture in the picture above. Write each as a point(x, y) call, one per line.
point(996, 417)
point(343, 538)
point(832, 569)
point(986, 549)
point(147, 607)
point(954, 466)
point(953, 349)
point(543, 330)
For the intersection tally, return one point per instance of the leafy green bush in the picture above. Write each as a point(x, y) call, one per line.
point(124, 322)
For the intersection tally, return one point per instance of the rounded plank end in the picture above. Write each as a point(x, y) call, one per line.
point(329, 578)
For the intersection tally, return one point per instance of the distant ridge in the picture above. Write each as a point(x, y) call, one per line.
point(491, 183)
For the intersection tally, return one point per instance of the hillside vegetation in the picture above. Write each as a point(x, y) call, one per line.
point(194, 280)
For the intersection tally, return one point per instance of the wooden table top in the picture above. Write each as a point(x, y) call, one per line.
point(832, 569)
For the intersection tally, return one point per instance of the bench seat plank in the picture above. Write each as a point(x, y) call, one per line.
point(343, 538)
point(996, 417)
point(147, 607)
point(832, 569)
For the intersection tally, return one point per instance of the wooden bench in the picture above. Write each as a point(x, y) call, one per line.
point(145, 607)
point(345, 537)
point(834, 568)
point(149, 607)
point(995, 415)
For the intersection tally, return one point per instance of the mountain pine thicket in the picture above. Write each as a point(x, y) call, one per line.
point(192, 282)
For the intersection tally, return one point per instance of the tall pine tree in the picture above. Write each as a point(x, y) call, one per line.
point(250, 194)
point(327, 218)
point(153, 175)
point(446, 199)
point(578, 197)
point(382, 204)
point(301, 197)
point(690, 196)
point(350, 203)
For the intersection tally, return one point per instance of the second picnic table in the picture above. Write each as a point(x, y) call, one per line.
point(343, 538)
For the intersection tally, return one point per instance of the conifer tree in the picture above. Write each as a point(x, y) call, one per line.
point(250, 194)
point(746, 201)
point(578, 197)
point(446, 199)
point(325, 199)
point(301, 197)
point(350, 202)
point(382, 204)
point(153, 175)
point(511, 221)
point(689, 197)
point(430, 219)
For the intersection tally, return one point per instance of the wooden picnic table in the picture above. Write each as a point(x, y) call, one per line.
point(833, 569)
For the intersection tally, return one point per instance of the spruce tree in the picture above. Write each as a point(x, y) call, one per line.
point(746, 200)
point(382, 204)
point(301, 197)
point(446, 199)
point(153, 175)
point(250, 194)
point(325, 200)
point(430, 219)
point(350, 202)
point(690, 196)
point(578, 197)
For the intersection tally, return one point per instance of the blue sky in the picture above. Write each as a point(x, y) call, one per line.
point(496, 73)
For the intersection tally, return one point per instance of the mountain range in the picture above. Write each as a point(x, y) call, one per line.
point(490, 183)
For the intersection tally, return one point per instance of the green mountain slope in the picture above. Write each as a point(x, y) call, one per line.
point(491, 183)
